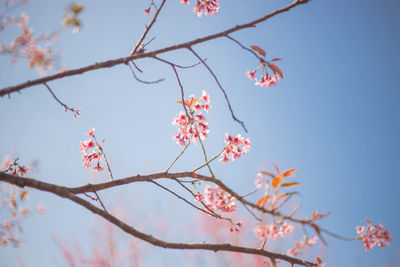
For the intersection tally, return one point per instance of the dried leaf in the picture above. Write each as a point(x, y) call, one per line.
point(23, 195)
point(287, 194)
point(290, 184)
point(275, 69)
point(258, 49)
point(268, 173)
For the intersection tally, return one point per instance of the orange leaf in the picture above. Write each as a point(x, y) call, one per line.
point(258, 49)
point(275, 69)
point(288, 173)
point(287, 194)
point(180, 102)
point(290, 184)
point(23, 195)
point(316, 216)
point(262, 200)
point(316, 227)
point(276, 59)
point(277, 181)
point(195, 175)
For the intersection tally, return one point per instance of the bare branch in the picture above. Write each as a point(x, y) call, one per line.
point(142, 81)
point(75, 111)
point(146, 31)
point(65, 193)
point(112, 63)
point(179, 66)
point(220, 87)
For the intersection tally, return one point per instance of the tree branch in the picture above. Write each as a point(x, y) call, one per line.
point(124, 60)
point(63, 192)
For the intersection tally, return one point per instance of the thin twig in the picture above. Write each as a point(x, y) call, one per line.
point(179, 66)
point(75, 111)
point(180, 154)
point(146, 31)
point(182, 92)
point(104, 156)
point(213, 158)
point(182, 198)
point(220, 87)
point(142, 81)
point(112, 63)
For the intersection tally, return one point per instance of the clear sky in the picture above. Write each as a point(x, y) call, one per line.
point(335, 116)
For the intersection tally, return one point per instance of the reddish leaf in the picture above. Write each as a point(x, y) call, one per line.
point(276, 59)
point(275, 69)
point(258, 49)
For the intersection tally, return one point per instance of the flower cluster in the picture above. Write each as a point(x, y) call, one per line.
point(273, 230)
point(373, 235)
point(195, 126)
point(211, 7)
point(217, 199)
point(26, 45)
point(266, 80)
point(235, 148)
point(94, 156)
point(301, 244)
point(14, 167)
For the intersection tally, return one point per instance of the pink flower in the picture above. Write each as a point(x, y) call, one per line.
point(211, 7)
point(258, 181)
point(147, 11)
point(268, 81)
point(90, 132)
point(236, 147)
point(375, 235)
point(86, 145)
point(273, 230)
point(185, 2)
point(251, 75)
point(195, 126)
point(360, 229)
point(98, 168)
point(217, 199)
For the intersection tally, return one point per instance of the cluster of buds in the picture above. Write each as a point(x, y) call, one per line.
point(235, 148)
point(13, 167)
point(6, 234)
point(93, 156)
point(305, 242)
point(373, 235)
point(192, 125)
point(217, 199)
point(273, 231)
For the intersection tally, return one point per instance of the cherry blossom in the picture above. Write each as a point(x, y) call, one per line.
point(373, 235)
point(217, 199)
point(273, 231)
point(211, 7)
point(305, 242)
point(147, 11)
point(195, 126)
point(95, 155)
point(235, 148)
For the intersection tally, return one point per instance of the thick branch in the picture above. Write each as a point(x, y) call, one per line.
point(124, 60)
point(65, 193)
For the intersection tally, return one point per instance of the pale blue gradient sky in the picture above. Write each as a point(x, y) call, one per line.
point(335, 116)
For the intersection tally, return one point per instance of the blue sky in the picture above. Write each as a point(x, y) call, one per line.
point(335, 116)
